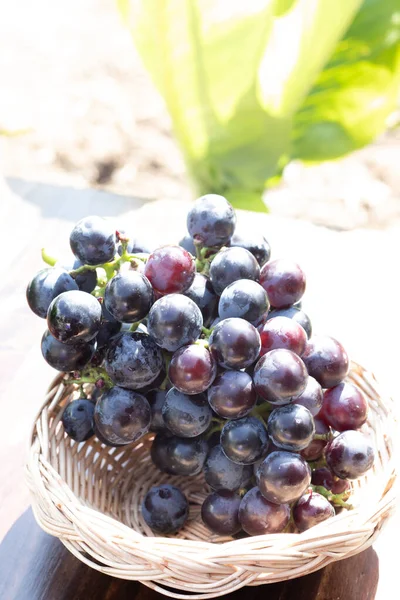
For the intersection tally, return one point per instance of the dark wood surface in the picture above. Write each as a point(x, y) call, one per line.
point(35, 566)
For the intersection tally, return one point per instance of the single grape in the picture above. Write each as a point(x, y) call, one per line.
point(349, 455)
point(235, 343)
point(170, 269)
point(284, 281)
point(326, 360)
point(220, 512)
point(315, 448)
point(188, 244)
point(345, 407)
point(232, 395)
point(223, 474)
point(186, 416)
point(92, 241)
point(174, 321)
point(156, 400)
point(47, 285)
point(165, 509)
point(283, 477)
point(256, 244)
point(63, 357)
point(295, 314)
point(245, 299)
point(312, 397)
point(211, 220)
point(128, 296)
point(74, 316)
point(179, 456)
point(329, 481)
point(291, 427)
point(77, 419)
point(279, 376)
point(122, 416)
point(109, 327)
point(202, 293)
point(192, 369)
point(244, 441)
point(281, 332)
point(231, 264)
point(258, 516)
point(311, 509)
point(133, 360)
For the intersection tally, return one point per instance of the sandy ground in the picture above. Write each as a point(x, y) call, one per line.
point(70, 73)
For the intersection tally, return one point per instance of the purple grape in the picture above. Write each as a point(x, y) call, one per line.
point(291, 427)
point(220, 512)
point(232, 395)
point(279, 376)
point(245, 299)
point(192, 369)
point(234, 343)
point(326, 360)
point(324, 477)
point(344, 407)
point(211, 221)
point(92, 241)
point(133, 360)
point(284, 281)
point(232, 264)
point(312, 397)
point(179, 456)
point(165, 509)
point(295, 314)
point(47, 285)
point(222, 474)
point(311, 509)
point(258, 516)
point(66, 357)
point(122, 416)
point(186, 416)
point(244, 441)
point(350, 455)
point(74, 316)
point(281, 332)
point(174, 321)
point(128, 296)
point(283, 477)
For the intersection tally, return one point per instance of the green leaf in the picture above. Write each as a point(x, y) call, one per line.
point(353, 96)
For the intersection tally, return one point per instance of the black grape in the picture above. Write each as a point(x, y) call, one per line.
point(92, 241)
point(63, 357)
point(77, 419)
point(179, 456)
point(47, 285)
point(74, 316)
point(133, 360)
point(165, 509)
point(174, 321)
point(223, 474)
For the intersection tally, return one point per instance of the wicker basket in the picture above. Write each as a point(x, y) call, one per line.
point(89, 496)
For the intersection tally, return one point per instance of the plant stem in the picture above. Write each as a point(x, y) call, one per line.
point(48, 259)
point(91, 375)
point(134, 326)
point(336, 499)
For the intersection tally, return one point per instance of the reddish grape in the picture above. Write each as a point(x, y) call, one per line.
point(281, 332)
point(192, 369)
point(345, 407)
point(258, 516)
point(315, 448)
point(326, 360)
point(279, 376)
point(232, 395)
point(220, 512)
point(170, 269)
point(311, 509)
point(312, 397)
point(284, 281)
point(349, 455)
point(324, 477)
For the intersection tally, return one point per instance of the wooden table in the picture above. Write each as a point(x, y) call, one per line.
point(352, 293)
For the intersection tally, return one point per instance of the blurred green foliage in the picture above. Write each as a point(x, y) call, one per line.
point(251, 85)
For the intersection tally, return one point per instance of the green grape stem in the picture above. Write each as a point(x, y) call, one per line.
point(91, 375)
point(335, 499)
point(47, 258)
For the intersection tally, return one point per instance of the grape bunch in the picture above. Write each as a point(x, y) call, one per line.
point(205, 346)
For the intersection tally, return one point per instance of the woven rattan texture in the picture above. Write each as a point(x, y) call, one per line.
point(89, 496)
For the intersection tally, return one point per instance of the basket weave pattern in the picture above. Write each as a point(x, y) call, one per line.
point(89, 496)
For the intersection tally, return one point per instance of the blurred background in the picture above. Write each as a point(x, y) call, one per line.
point(287, 84)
